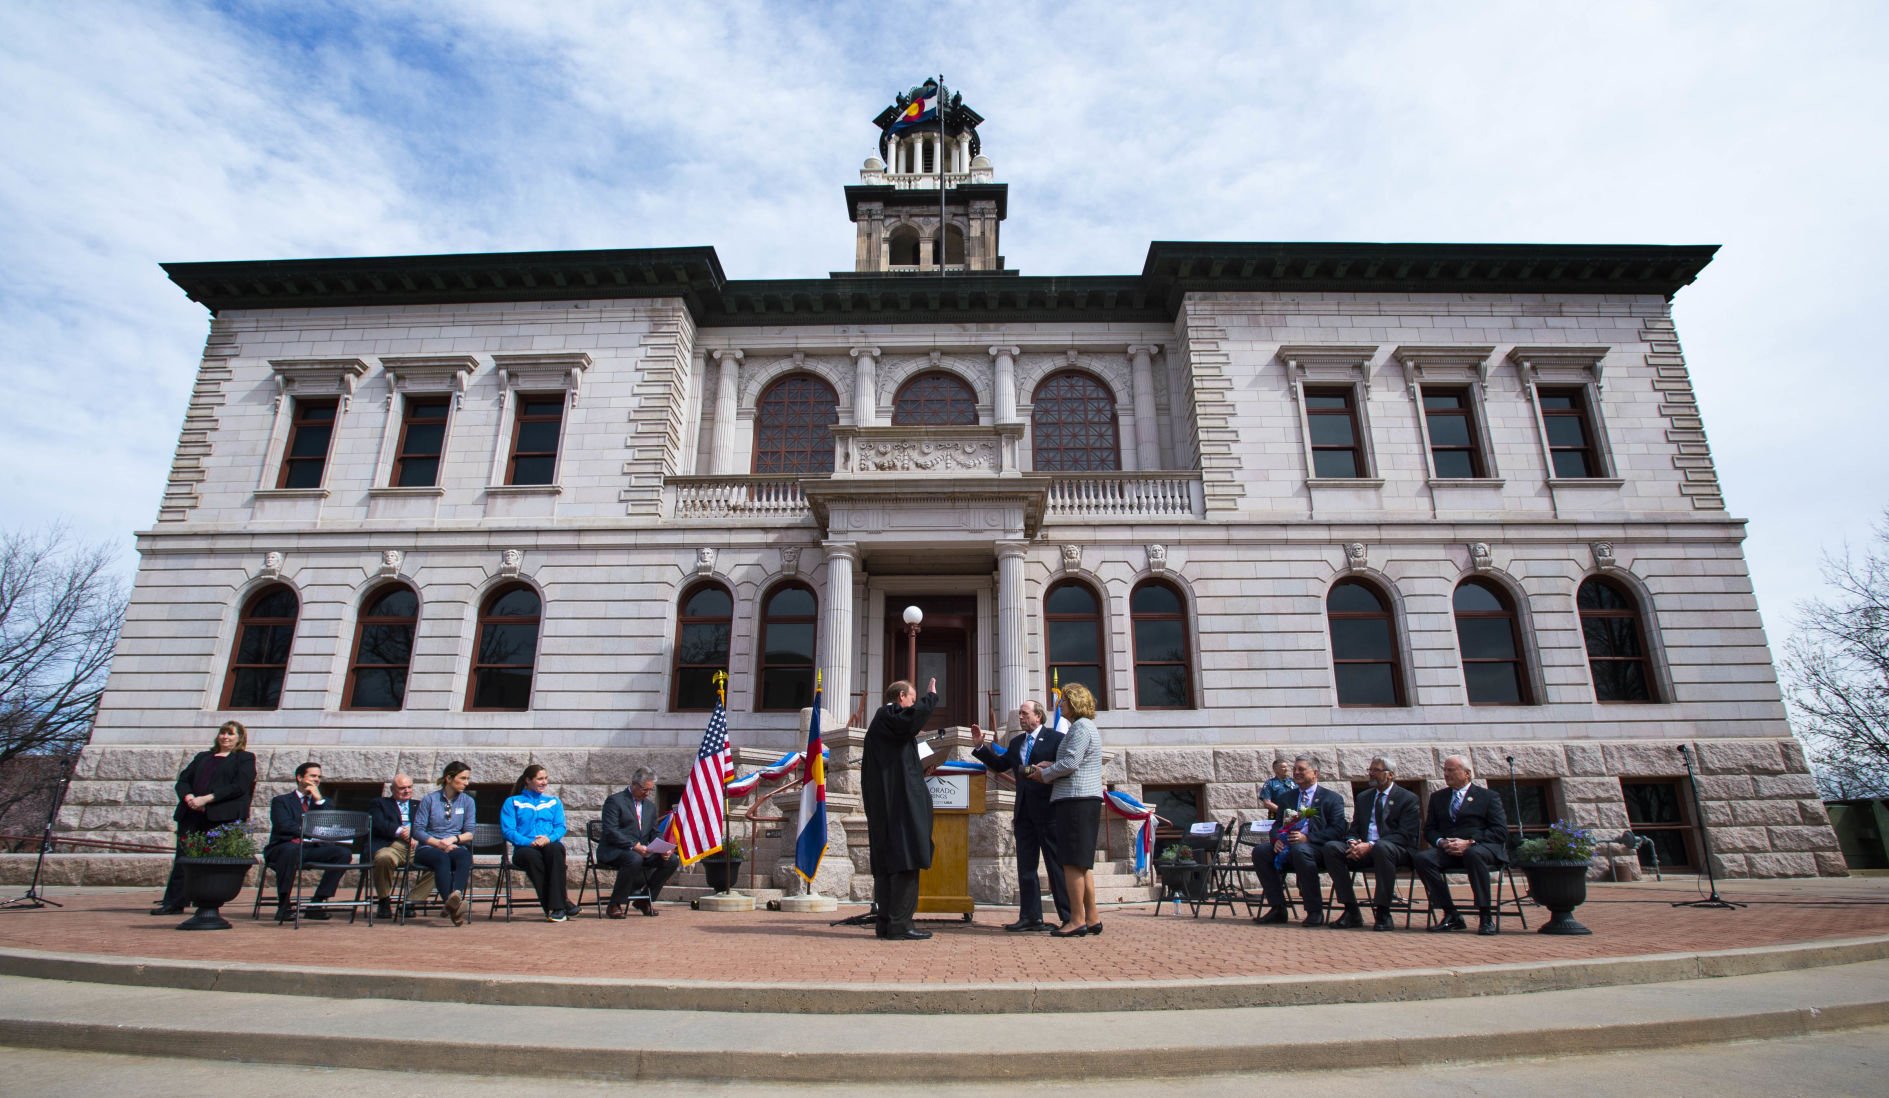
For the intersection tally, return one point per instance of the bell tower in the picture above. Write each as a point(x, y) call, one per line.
point(926, 203)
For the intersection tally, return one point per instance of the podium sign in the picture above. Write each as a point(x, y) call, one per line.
point(945, 888)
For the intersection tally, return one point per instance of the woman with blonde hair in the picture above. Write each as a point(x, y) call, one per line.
point(1076, 806)
point(213, 789)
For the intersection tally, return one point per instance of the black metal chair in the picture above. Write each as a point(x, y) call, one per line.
point(1253, 841)
point(490, 851)
point(345, 829)
point(1503, 874)
point(405, 903)
point(593, 873)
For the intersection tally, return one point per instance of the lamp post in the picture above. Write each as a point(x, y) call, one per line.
point(913, 615)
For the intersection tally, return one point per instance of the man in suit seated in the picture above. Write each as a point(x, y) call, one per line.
point(629, 826)
point(286, 842)
point(1383, 836)
point(391, 839)
point(1299, 835)
point(1466, 830)
point(1030, 820)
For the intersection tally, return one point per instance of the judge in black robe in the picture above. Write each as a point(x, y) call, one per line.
point(898, 806)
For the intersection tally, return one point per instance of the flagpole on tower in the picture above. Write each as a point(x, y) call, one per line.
point(943, 235)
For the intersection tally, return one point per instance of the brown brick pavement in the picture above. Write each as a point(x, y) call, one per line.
point(774, 947)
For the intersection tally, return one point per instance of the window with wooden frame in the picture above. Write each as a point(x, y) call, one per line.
point(535, 431)
point(789, 633)
point(1616, 642)
point(422, 441)
point(259, 660)
point(1072, 624)
point(1490, 639)
point(793, 426)
point(1570, 429)
point(704, 622)
point(1331, 421)
point(1365, 663)
point(507, 650)
point(934, 398)
point(1659, 810)
point(1163, 671)
point(311, 435)
point(383, 649)
point(1073, 427)
point(1449, 415)
point(1536, 800)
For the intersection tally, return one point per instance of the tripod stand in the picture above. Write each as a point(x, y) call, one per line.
point(1705, 840)
point(32, 897)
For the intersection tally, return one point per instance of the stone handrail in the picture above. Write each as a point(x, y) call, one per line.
point(1124, 495)
point(711, 497)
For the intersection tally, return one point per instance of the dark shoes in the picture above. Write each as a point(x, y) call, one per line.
point(1452, 921)
point(1276, 915)
point(161, 909)
point(384, 909)
point(1027, 924)
point(1316, 918)
point(284, 914)
point(1352, 919)
point(906, 936)
point(616, 911)
point(647, 908)
point(572, 911)
point(1486, 924)
point(1094, 928)
point(1079, 932)
point(1383, 920)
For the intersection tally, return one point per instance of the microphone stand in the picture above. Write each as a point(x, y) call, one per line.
point(1515, 798)
point(32, 897)
point(1705, 839)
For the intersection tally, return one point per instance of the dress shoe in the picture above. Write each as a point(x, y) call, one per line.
point(162, 909)
point(616, 911)
point(1079, 932)
point(1027, 924)
point(1452, 921)
point(1352, 919)
point(284, 914)
point(1486, 924)
point(456, 908)
point(1383, 922)
point(384, 910)
point(1094, 928)
point(1276, 915)
point(645, 907)
point(315, 916)
point(573, 910)
point(1316, 918)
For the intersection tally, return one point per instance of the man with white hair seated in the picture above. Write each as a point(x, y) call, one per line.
point(1467, 830)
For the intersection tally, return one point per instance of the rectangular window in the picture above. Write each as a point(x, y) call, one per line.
point(1570, 431)
point(1179, 808)
point(1331, 416)
point(422, 441)
point(1658, 810)
point(311, 431)
point(534, 457)
point(1536, 798)
point(1455, 446)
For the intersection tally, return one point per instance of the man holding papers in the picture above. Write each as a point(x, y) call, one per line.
point(630, 843)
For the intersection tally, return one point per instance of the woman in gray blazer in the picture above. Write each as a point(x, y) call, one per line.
point(1076, 807)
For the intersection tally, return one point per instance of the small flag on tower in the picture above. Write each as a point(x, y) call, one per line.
point(921, 111)
point(698, 818)
point(810, 847)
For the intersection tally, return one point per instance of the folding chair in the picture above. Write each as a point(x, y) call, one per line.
point(1503, 874)
point(491, 851)
point(404, 901)
point(346, 829)
point(1254, 840)
point(593, 873)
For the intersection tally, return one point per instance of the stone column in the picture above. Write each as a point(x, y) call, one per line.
point(1147, 430)
point(721, 441)
point(1004, 389)
point(865, 386)
point(1013, 684)
point(836, 628)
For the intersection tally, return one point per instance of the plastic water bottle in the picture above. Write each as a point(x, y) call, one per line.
point(1177, 903)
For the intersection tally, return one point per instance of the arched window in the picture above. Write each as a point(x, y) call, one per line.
point(789, 621)
point(953, 244)
point(1616, 642)
point(1363, 645)
point(703, 624)
point(383, 647)
point(1072, 618)
point(1072, 425)
point(793, 423)
point(1491, 643)
point(903, 246)
point(259, 660)
point(1163, 673)
point(508, 648)
point(934, 397)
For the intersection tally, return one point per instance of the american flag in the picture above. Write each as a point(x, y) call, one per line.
point(698, 819)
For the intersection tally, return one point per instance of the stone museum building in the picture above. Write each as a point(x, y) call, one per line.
point(1336, 499)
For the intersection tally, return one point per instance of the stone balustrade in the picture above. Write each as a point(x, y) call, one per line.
point(1125, 495)
point(763, 497)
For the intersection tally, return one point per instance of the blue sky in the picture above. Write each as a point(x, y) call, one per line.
point(139, 133)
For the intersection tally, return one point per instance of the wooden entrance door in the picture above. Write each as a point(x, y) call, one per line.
point(944, 652)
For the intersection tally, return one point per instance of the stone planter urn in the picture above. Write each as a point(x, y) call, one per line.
point(1560, 887)
point(210, 883)
point(722, 873)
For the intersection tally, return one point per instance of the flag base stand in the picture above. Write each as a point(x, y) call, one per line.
point(725, 901)
point(811, 902)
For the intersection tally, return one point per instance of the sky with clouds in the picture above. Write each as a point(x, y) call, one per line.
point(144, 132)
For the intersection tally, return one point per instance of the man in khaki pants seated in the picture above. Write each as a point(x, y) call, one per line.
point(392, 843)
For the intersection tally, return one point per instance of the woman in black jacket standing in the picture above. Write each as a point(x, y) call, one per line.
point(213, 789)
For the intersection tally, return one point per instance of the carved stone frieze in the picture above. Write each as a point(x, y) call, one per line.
point(915, 455)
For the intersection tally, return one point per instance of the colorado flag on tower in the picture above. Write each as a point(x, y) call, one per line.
point(921, 110)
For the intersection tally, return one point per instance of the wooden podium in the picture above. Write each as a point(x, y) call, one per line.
point(945, 888)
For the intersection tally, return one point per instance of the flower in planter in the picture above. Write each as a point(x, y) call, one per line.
point(230, 840)
point(1564, 842)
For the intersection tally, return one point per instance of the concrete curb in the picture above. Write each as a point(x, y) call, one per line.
point(1402, 985)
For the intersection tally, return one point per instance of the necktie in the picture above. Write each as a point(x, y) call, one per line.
point(1381, 798)
point(1305, 797)
point(1029, 747)
point(1456, 803)
point(308, 802)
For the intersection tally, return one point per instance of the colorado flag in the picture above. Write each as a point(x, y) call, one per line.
point(810, 847)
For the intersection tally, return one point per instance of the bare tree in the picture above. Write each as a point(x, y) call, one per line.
point(1836, 672)
point(60, 611)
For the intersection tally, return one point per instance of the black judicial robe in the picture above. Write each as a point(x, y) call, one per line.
point(898, 806)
